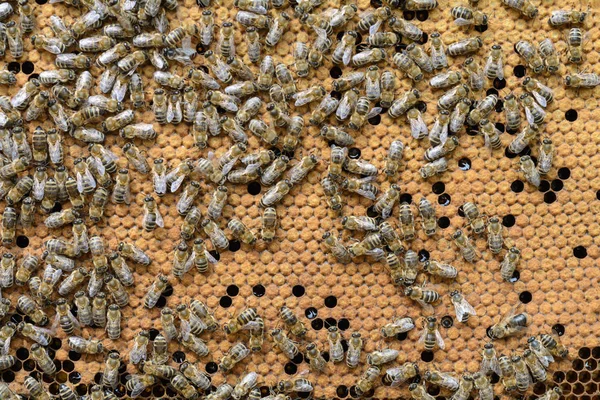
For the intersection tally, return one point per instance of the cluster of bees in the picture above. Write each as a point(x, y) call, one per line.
point(225, 94)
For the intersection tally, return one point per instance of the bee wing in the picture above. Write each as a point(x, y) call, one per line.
point(6, 347)
point(529, 116)
point(127, 195)
point(210, 257)
point(347, 56)
point(79, 182)
point(463, 21)
point(137, 353)
point(98, 164)
point(387, 211)
point(491, 364)
point(73, 319)
point(227, 167)
point(38, 189)
point(160, 183)
point(487, 141)
point(500, 67)
point(463, 308)
point(439, 340)
point(376, 111)
point(252, 325)
point(543, 355)
point(177, 183)
point(366, 194)
point(170, 112)
point(375, 27)
point(159, 219)
point(539, 98)
point(377, 253)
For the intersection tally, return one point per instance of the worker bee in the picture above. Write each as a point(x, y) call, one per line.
point(53, 45)
point(41, 358)
point(418, 55)
point(425, 297)
point(216, 235)
point(185, 202)
point(116, 290)
point(522, 377)
point(442, 379)
point(392, 164)
point(136, 158)
point(525, 7)
point(243, 318)
point(275, 193)
point(530, 55)
point(398, 325)
point(538, 371)
point(362, 223)
point(25, 95)
point(582, 80)
point(110, 378)
point(204, 313)
point(199, 378)
point(152, 216)
point(200, 257)
point(38, 105)
point(548, 53)
point(14, 39)
point(427, 212)
point(408, 66)
point(494, 235)
point(98, 203)
point(367, 380)
point(99, 307)
point(382, 39)
point(6, 334)
point(385, 203)
point(533, 112)
point(279, 25)
point(553, 345)
point(235, 354)
point(138, 383)
point(494, 65)
point(380, 357)
point(65, 318)
point(465, 246)
point(489, 362)
point(337, 248)
point(97, 275)
point(474, 218)
point(464, 16)
point(344, 50)
point(394, 377)
point(285, 79)
point(257, 334)
point(564, 17)
point(121, 269)
point(369, 56)
point(75, 278)
point(484, 386)
point(510, 325)
point(474, 74)
point(575, 41)
point(464, 46)
point(512, 113)
point(174, 112)
point(286, 345)
point(431, 336)
point(552, 394)
point(295, 326)
point(462, 307)
point(315, 359)
point(373, 20)
point(167, 320)
point(529, 171)
point(407, 221)
point(138, 352)
point(546, 156)
point(33, 386)
point(445, 80)
point(509, 263)
point(404, 103)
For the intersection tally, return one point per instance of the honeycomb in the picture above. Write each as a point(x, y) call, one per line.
point(556, 228)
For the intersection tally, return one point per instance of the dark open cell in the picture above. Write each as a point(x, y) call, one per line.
point(173, 393)
point(519, 71)
point(359, 37)
point(371, 212)
point(433, 390)
point(330, 301)
point(27, 67)
point(375, 120)
point(424, 38)
point(499, 126)
point(572, 376)
point(584, 376)
point(491, 91)
point(17, 366)
point(481, 28)
point(276, 151)
point(61, 377)
point(57, 207)
point(353, 393)
point(98, 377)
point(517, 186)
point(340, 35)
point(33, 76)
point(335, 94)
point(304, 395)
point(361, 47)
point(494, 378)
point(14, 67)
point(571, 115)
point(461, 211)
point(544, 186)
point(16, 318)
point(225, 301)
point(74, 377)
point(335, 72)
point(499, 83)
point(596, 352)
point(329, 322)
point(311, 313)
point(427, 356)
point(124, 378)
point(400, 47)
point(29, 365)
point(421, 106)
point(471, 130)
point(508, 220)
point(515, 276)
point(559, 329)
point(258, 290)
point(438, 188)
point(317, 324)
point(234, 245)
point(423, 255)
point(343, 324)
point(591, 364)
point(402, 336)
point(447, 321)
point(162, 301)
point(233, 290)
point(354, 153)
point(499, 106)
point(464, 164)
point(525, 152)
point(298, 290)
point(539, 388)
point(158, 391)
point(558, 376)
point(405, 198)
point(584, 353)
point(564, 173)
point(444, 199)
point(549, 197)
point(580, 252)
point(290, 368)
point(22, 353)
point(211, 367)
point(443, 222)
point(179, 357)
point(54, 389)
point(74, 356)
point(254, 188)
point(81, 390)
point(68, 366)
point(422, 15)
point(298, 359)
point(578, 388)
point(525, 297)
point(47, 378)
point(408, 15)
point(488, 331)
point(509, 154)
point(168, 291)
point(342, 391)
point(215, 254)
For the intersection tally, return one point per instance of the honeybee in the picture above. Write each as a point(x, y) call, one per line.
point(112, 363)
point(279, 25)
point(464, 46)
point(462, 307)
point(425, 297)
point(216, 235)
point(99, 307)
point(367, 380)
point(41, 358)
point(344, 50)
point(199, 378)
point(408, 66)
point(11, 169)
point(167, 321)
point(65, 318)
point(546, 156)
point(552, 394)
point(401, 105)
point(494, 235)
point(275, 193)
point(542, 354)
point(181, 260)
point(553, 345)
point(315, 359)
point(200, 256)
point(464, 16)
point(465, 246)
point(295, 326)
point(369, 56)
point(75, 278)
point(509, 263)
point(510, 325)
point(394, 156)
point(286, 345)
point(529, 171)
point(575, 41)
point(205, 314)
point(240, 69)
point(538, 371)
point(474, 218)
point(398, 325)
point(339, 251)
point(530, 55)
point(373, 20)
point(489, 362)
point(525, 7)
point(138, 383)
point(138, 352)
point(116, 290)
point(442, 379)
point(582, 80)
point(235, 354)
point(236, 324)
point(548, 53)
point(380, 357)
point(431, 336)
point(14, 39)
point(348, 81)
